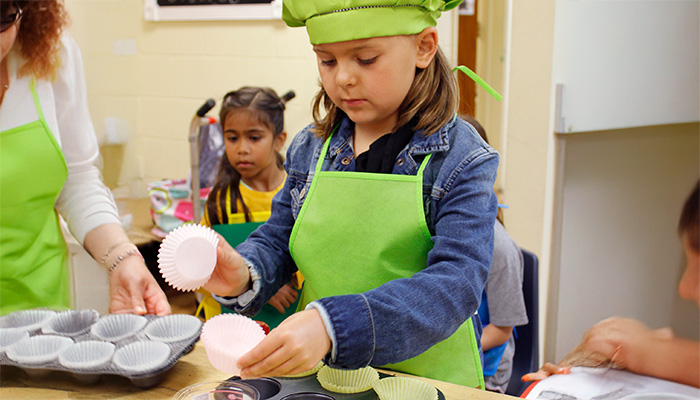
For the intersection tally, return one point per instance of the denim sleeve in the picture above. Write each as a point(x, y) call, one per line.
point(405, 317)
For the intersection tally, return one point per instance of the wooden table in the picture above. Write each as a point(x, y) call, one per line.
point(192, 368)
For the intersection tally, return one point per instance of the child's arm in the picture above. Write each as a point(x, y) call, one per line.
point(494, 336)
point(506, 305)
point(630, 344)
point(295, 346)
point(284, 298)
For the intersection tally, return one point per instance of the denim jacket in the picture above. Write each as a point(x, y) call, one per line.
point(460, 209)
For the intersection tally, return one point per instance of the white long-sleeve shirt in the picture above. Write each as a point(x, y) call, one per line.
point(85, 202)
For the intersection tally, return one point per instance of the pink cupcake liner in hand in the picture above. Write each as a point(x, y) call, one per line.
point(187, 256)
point(226, 337)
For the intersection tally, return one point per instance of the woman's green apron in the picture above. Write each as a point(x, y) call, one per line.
point(375, 225)
point(33, 253)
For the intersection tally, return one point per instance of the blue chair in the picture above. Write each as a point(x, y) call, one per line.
point(526, 357)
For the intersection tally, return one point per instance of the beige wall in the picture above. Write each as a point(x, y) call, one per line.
point(490, 64)
point(529, 153)
point(146, 79)
point(152, 77)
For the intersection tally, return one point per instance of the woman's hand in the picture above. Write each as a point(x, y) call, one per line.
point(284, 298)
point(295, 346)
point(132, 289)
point(231, 276)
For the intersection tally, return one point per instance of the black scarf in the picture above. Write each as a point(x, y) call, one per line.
point(382, 154)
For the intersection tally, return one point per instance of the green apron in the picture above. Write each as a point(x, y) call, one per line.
point(33, 253)
point(375, 225)
point(236, 234)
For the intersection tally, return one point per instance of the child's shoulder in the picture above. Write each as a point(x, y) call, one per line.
point(304, 146)
point(463, 142)
point(305, 140)
point(464, 132)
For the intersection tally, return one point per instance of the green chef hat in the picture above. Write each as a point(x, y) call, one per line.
point(330, 21)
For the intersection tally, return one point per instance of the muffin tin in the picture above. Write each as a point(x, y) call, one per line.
point(305, 388)
point(87, 345)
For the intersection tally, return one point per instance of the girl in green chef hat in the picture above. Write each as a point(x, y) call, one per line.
point(387, 209)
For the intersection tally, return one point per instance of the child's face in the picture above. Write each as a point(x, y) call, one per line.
point(369, 78)
point(689, 287)
point(251, 146)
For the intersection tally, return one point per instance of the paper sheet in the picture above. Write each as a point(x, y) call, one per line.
point(608, 384)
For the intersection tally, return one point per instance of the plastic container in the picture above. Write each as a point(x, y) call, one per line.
point(224, 390)
point(309, 396)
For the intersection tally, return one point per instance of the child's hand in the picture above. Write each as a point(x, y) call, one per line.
point(295, 346)
point(546, 370)
point(623, 341)
point(284, 298)
point(231, 276)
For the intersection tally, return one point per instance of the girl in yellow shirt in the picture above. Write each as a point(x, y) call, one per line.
point(250, 173)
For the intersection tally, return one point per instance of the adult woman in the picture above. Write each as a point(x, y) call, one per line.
point(48, 152)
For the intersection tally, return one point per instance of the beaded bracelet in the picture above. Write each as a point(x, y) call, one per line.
point(121, 258)
point(104, 257)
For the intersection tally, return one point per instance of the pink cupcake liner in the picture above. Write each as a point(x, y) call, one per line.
point(226, 337)
point(187, 256)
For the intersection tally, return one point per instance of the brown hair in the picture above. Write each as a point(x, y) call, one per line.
point(689, 223)
point(268, 108)
point(39, 37)
point(433, 97)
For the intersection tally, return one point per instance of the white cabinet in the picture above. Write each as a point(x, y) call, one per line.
point(89, 279)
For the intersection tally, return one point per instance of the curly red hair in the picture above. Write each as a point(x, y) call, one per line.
point(39, 36)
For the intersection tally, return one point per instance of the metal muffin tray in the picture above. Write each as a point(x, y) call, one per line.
point(280, 388)
point(86, 345)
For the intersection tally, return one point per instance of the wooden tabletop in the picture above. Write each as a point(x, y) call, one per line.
point(190, 369)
